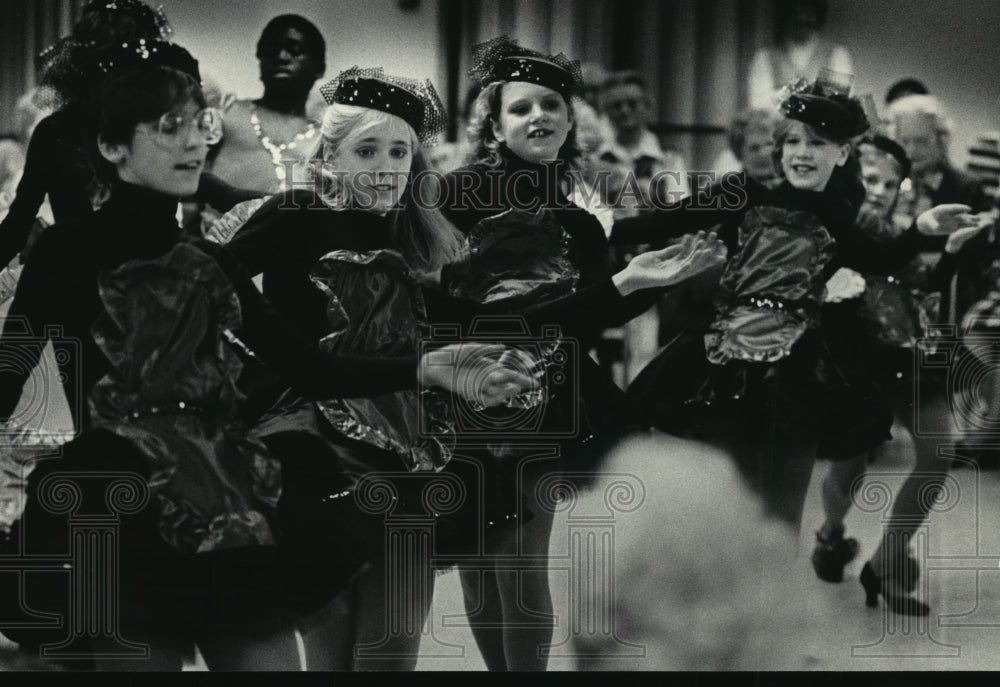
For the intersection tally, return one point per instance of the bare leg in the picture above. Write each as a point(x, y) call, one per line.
point(511, 610)
point(483, 605)
point(839, 487)
point(528, 621)
point(912, 502)
point(389, 622)
point(527, 602)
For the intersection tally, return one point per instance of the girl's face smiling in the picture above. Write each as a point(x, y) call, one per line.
point(167, 155)
point(808, 160)
point(374, 162)
point(534, 121)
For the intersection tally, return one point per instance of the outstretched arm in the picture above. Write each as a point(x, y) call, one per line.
point(722, 204)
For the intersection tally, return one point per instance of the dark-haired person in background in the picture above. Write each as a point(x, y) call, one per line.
point(259, 135)
point(903, 88)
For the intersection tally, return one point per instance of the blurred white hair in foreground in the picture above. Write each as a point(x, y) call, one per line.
point(702, 578)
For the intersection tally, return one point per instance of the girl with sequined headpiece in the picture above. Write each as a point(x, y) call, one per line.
point(60, 160)
point(213, 545)
point(343, 256)
point(535, 248)
point(895, 311)
point(772, 371)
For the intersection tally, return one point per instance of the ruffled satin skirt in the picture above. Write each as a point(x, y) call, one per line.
point(812, 392)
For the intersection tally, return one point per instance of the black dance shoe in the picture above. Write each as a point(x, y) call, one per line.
point(831, 555)
point(897, 603)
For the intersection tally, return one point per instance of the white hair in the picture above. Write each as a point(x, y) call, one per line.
point(920, 104)
point(703, 579)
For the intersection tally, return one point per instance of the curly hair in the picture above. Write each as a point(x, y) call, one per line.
point(486, 149)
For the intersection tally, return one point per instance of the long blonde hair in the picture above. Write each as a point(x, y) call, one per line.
point(425, 238)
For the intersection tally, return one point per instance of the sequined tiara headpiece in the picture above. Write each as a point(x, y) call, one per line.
point(415, 102)
point(826, 105)
point(501, 59)
point(66, 67)
point(144, 53)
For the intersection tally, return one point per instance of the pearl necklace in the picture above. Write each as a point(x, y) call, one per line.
point(277, 150)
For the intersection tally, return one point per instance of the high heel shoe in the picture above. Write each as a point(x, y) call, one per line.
point(831, 555)
point(897, 603)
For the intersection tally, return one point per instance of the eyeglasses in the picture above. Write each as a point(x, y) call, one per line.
point(173, 128)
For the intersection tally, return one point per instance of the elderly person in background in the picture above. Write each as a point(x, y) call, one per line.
point(642, 176)
point(634, 150)
point(923, 127)
point(751, 142)
point(702, 609)
point(921, 124)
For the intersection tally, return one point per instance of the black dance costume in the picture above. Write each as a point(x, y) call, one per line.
point(772, 371)
point(563, 281)
point(342, 280)
point(230, 537)
point(339, 279)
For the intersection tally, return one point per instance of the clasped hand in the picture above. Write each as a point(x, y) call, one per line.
point(486, 375)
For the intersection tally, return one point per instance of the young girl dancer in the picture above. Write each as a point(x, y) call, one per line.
point(895, 311)
point(770, 373)
point(59, 155)
point(537, 251)
point(339, 260)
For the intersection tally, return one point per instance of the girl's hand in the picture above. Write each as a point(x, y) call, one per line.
point(958, 238)
point(486, 375)
point(692, 255)
point(845, 284)
point(942, 220)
